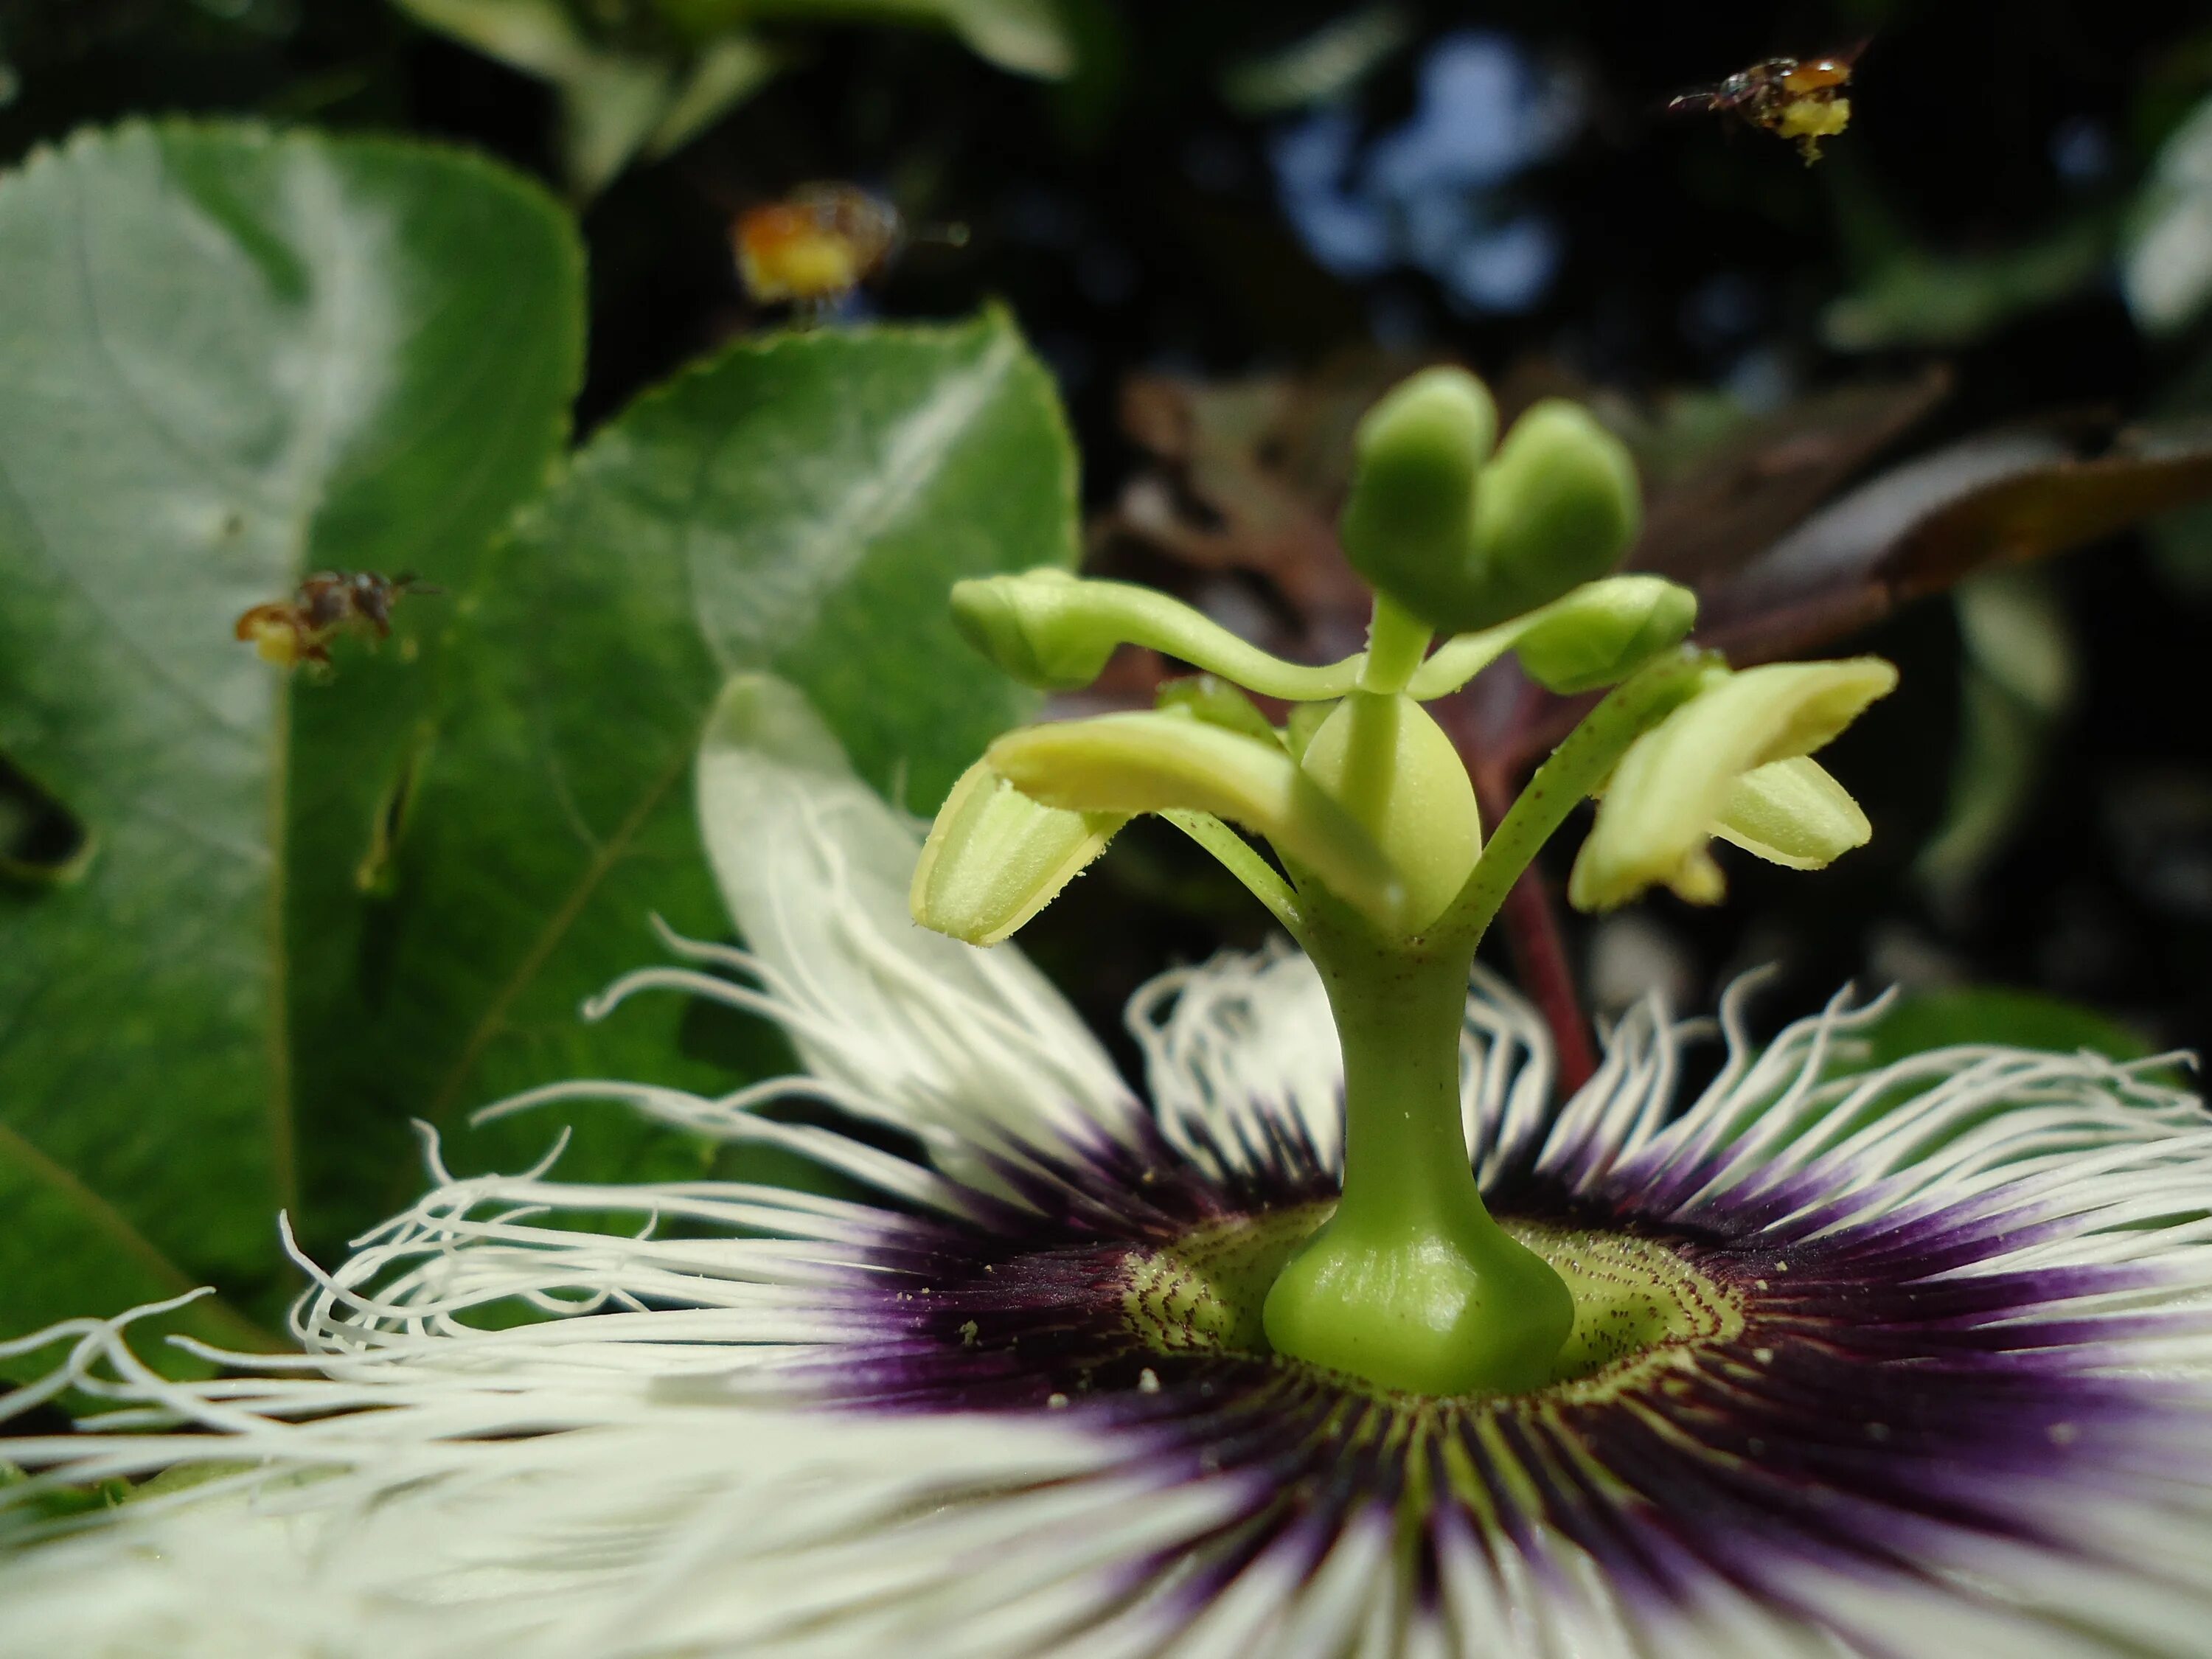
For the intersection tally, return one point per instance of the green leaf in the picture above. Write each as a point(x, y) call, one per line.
point(232, 358)
point(1330, 63)
point(800, 504)
point(2017, 683)
point(1917, 298)
point(644, 77)
point(2166, 270)
point(1995, 1014)
point(1030, 37)
point(617, 96)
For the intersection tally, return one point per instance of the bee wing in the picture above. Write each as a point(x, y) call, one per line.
point(1696, 101)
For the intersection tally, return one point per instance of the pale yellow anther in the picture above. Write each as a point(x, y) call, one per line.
point(1154, 762)
point(994, 858)
point(1794, 812)
point(1712, 768)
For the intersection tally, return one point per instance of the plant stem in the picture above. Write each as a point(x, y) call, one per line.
point(1396, 641)
point(1411, 1284)
point(1242, 861)
point(1577, 767)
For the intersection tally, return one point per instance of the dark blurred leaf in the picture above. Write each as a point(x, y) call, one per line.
point(2180, 543)
point(2166, 269)
point(232, 358)
point(1928, 300)
point(2016, 682)
point(2022, 1019)
point(1327, 63)
point(644, 77)
point(800, 505)
point(2158, 820)
point(1253, 473)
point(2181, 548)
point(619, 96)
point(1028, 37)
point(2002, 498)
point(1706, 504)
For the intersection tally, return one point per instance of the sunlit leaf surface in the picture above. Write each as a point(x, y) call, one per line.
point(801, 506)
point(231, 359)
point(254, 923)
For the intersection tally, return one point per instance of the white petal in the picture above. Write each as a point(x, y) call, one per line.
point(966, 1046)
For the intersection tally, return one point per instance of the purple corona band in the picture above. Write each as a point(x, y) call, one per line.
point(1881, 1405)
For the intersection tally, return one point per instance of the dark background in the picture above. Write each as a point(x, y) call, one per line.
point(1139, 217)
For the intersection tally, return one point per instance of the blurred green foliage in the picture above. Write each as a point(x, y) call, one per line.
point(311, 908)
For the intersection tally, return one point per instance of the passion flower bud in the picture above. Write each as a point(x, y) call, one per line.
point(1408, 527)
point(1557, 507)
point(1604, 631)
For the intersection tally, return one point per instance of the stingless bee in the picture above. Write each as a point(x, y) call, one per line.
point(288, 632)
point(819, 243)
point(1799, 99)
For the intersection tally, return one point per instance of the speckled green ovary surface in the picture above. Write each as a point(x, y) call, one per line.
point(1637, 1302)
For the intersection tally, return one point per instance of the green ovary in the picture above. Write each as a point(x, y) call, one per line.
point(1393, 769)
point(1634, 1299)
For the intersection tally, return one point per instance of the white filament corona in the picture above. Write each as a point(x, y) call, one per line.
point(650, 1468)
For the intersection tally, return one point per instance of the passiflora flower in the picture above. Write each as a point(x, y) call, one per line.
point(1912, 1361)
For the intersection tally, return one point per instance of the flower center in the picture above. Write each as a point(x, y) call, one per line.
point(1638, 1301)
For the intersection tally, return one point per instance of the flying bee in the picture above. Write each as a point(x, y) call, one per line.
point(288, 632)
point(819, 243)
point(1800, 99)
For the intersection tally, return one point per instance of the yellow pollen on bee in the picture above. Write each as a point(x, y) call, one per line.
point(1814, 118)
point(1810, 119)
point(801, 268)
point(275, 640)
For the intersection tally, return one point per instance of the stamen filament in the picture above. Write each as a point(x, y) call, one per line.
point(1576, 770)
point(1242, 861)
point(1459, 659)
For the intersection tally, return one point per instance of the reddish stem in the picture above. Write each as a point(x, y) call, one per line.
point(1538, 947)
point(1539, 958)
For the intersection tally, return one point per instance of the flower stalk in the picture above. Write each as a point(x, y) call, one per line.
point(1370, 813)
point(1411, 1284)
